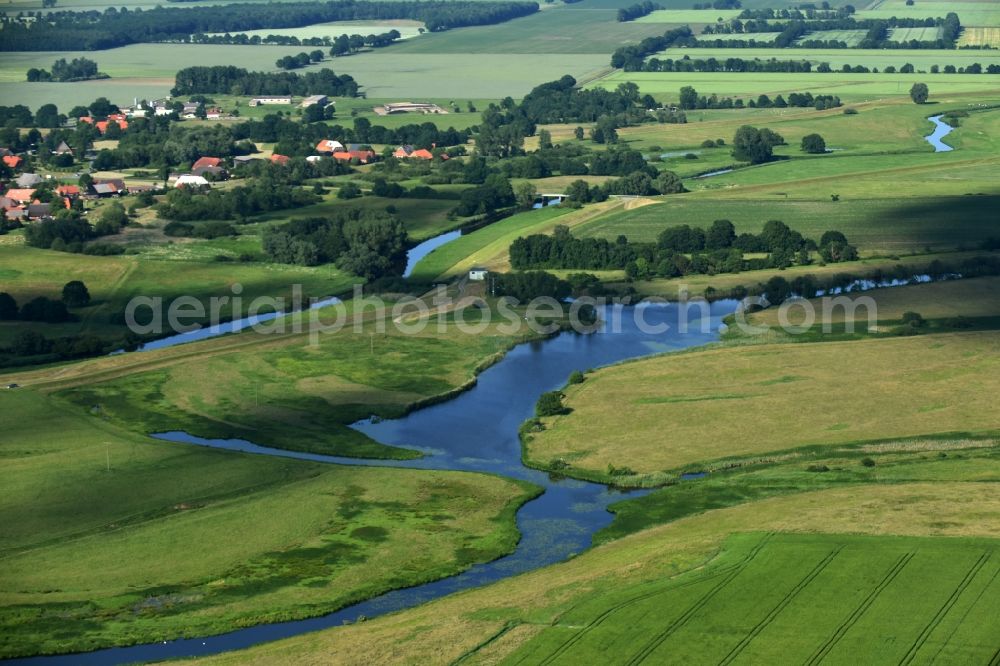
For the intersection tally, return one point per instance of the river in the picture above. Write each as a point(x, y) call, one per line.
point(941, 130)
point(475, 431)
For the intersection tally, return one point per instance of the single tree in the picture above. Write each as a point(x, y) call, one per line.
point(8, 307)
point(75, 294)
point(525, 195)
point(919, 93)
point(814, 144)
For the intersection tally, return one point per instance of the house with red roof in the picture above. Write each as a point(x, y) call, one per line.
point(409, 152)
point(102, 125)
point(280, 160)
point(21, 195)
point(68, 191)
point(202, 162)
point(13, 161)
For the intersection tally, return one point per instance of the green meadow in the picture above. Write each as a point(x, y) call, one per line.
point(113, 538)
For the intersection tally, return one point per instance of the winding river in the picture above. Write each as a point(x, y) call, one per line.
point(475, 431)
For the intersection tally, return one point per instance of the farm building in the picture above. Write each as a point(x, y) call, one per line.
point(408, 152)
point(21, 195)
point(28, 180)
point(206, 162)
point(478, 274)
point(363, 156)
point(280, 160)
point(191, 180)
point(408, 107)
point(260, 101)
point(13, 161)
point(329, 146)
point(63, 149)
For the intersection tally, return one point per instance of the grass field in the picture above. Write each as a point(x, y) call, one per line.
point(760, 37)
point(490, 624)
point(709, 420)
point(214, 540)
point(970, 298)
point(288, 393)
point(794, 598)
point(849, 87)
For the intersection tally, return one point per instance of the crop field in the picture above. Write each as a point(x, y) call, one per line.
point(970, 13)
point(849, 37)
point(90, 562)
point(793, 599)
point(562, 29)
point(919, 34)
point(493, 623)
point(947, 394)
point(980, 37)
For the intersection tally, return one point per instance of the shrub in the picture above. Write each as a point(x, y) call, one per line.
point(867, 462)
point(550, 404)
point(817, 468)
point(913, 319)
point(576, 377)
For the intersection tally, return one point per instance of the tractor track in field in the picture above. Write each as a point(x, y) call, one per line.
point(780, 606)
point(860, 610)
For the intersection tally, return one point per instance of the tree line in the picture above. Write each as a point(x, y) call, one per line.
point(638, 10)
point(680, 250)
point(96, 30)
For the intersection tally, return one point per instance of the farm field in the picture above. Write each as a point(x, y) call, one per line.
point(760, 37)
point(849, 37)
point(791, 598)
point(771, 382)
point(493, 622)
point(93, 562)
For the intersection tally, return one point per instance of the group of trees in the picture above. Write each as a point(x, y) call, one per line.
point(78, 69)
point(690, 99)
point(230, 80)
point(637, 10)
point(755, 145)
point(679, 250)
point(733, 64)
point(340, 45)
point(272, 190)
point(368, 244)
point(96, 30)
point(42, 308)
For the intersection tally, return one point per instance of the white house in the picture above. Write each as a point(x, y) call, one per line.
point(190, 180)
point(478, 274)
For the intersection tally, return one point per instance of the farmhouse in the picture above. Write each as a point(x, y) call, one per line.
point(216, 172)
point(23, 195)
point(63, 149)
point(13, 161)
point(69, 191)
point(407, 152)
point(102, 125)
point(109, 187)
point(408, 107)
point(37, 211)
point(28, 180)
point(259, 101)
point(213, 113)
point(313, 100)
point(162, 110)
point(280, 160)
